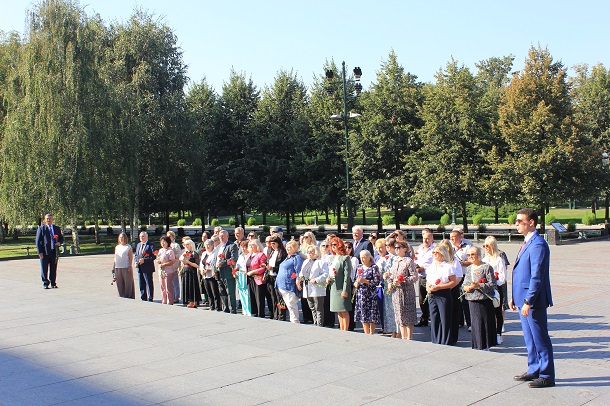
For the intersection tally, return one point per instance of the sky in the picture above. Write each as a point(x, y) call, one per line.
point(260, 38)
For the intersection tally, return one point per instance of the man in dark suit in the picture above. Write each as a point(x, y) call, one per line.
point(360, 243)
point(48, 238)
point(531, 295)
point(227, 253)
point(144, 259)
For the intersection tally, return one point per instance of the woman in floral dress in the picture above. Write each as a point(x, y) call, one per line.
point(403, 276)
point(367, 279)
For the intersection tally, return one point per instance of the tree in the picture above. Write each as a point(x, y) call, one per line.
point(390, 125)
point(52, 135)
point(279, 147)
point(454, 140)
point(548, 159)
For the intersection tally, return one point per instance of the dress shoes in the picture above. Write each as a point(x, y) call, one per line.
point(525, 377)
point(47, 287)
point(542, 383)
point(54, 286)
point(422, 323)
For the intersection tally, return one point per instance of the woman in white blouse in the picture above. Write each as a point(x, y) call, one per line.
point(493, 258)
point(312, 282)
point(166, 259)
point(440, 279)
point(123, 268)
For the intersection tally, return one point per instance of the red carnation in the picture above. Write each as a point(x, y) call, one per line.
point(387, 257)
point(201, 249)
point(496, 275)
point(146, 254)
point(438, 282)
point(156, 252)
point(230, 262)
point(234, 271)
point(415, 258)
point(482, 280)
point(360, 271)
point(188, 254)
point(221, 256)
point(401, 279)
point(55, 236)
point(293, 276)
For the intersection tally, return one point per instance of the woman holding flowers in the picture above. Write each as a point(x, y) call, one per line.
point(389, 320)
point(239, 272)
point(479, 285)
point(403, 276)
point(209, 282)
point(191, 294)
point(278, 255)
point(367, 279)
point(440, 279)
point(166, 260)
point(286, 279)
point(339, 276)
point(497, 259)
point(312, 281)
point(255, 269)
point(123, 268)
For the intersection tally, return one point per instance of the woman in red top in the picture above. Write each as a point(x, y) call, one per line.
point(255, 269)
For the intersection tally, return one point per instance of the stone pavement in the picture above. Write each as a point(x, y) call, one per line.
point(82, 345)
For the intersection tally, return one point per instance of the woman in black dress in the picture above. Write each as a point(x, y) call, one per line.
point(279, 254)
point(191, 293)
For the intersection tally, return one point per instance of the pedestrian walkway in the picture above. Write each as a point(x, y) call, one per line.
point(82, 345)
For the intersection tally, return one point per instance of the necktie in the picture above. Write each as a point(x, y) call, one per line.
point(521, 249)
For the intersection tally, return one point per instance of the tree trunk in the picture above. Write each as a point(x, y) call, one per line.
point(379, 221)
point(464, 217)
point(606, 217)
point(338, 218)
point(264, 217)
point(134, 218)
point(287, 222)
point(123, 225)
point(75, 239)
point(397, 216)
point(302, 217)
point(363, 217)
point(2, 237)
point(594, 205)
point(98, 237)
point(243, 219)
point(327, 218)
point(496, 213)
point(202, 217)
point(542, 220)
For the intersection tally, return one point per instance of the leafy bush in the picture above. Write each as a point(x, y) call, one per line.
point(181, 223)
point(321, 228)
point(387, 220)
point(251, 221)
point(420, 221)
point(445, 219)
point(477, 219)
point(333, 220)
point(197, 222)
point(88, 223)
point(309, 220)
point(571, 226)
point(511, 218)
point(110, 222)
point(100, 222)
point(413, 220)
point(550, 218)
point(589, 219)
point(215, 222)
point(232, 221)
point(427, 213)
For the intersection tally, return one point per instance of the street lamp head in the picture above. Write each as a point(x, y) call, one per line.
point(605, 158)
point(357, 72)
point(358, 88)
point(329, 74)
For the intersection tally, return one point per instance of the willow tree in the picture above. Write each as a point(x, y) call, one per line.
point(50, 145)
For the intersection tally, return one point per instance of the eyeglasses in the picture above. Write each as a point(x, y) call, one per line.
point(519, 221)
point(333, 245)
point(397, 247)
point(436, 252)
point(372, 237)
point(251, 235)
point(388, 245)
point(471, 255)
point(324, 245)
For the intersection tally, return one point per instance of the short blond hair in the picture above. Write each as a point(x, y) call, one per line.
point(293, 244)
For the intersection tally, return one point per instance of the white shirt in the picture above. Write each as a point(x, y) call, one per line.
point(121, 256)
point(440, 271)
point(499, 267)
point(423, 258)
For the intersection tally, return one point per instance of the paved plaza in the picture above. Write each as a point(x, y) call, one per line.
point(83, 345)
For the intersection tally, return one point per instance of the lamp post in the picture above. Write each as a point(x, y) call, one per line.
point(344, 117)
point(605, 162)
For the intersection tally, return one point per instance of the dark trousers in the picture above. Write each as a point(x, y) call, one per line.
point(466, 310)
point(276, 312)
point(211, 289)
point(48, 269)
point(147, 287)
point(352, 323)
point(260, 295)
point(457, 310)
point(441, 312)
point(424, 307)
point(252, 289)
point(226, 286)
point(329, 317)
point(380, 304)
point(307, 314)
point(498, 311)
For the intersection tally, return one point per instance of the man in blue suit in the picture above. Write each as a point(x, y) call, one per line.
point(145, 262)
point(48, 238)
point(532, 296)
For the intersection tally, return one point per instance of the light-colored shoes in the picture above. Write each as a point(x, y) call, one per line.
point(499, 339)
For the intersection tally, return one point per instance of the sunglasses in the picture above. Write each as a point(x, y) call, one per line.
point(373, 237)
point(519, 221)
point(324, 245)
point(333, 245)
point(397, 247)
point(251, 235)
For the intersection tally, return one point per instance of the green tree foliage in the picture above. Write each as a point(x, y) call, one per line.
point(454, 140)
point(548, 159)
point(390, 123)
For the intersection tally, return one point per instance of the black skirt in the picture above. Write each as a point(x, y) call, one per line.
point(483, 323)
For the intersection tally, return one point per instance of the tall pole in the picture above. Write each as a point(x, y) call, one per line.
point(350, 216)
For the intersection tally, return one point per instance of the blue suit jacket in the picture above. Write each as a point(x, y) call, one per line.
point(149, 260)
point(44, 240)
point(531, 274)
